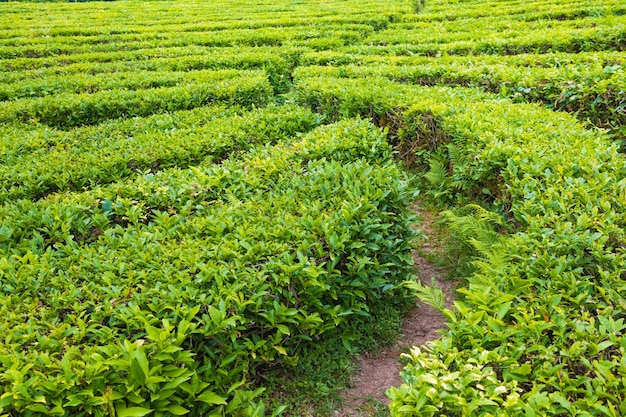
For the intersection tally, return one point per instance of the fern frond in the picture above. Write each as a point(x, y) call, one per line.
point(437, 175)
point(476, 226)
point(458, 158)
point(429, 295)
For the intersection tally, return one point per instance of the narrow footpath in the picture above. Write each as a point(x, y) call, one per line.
point(380, 372)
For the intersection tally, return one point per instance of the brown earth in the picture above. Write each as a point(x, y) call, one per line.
point(380, 372)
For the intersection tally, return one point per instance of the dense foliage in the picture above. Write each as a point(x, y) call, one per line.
point(541, 325)
point(194, 195)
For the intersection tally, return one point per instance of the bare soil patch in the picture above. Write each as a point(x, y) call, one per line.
point(381, 371)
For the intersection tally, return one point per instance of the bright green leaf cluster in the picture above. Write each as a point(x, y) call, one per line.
point(540, 330)
point(239, 264)
point(170, 230)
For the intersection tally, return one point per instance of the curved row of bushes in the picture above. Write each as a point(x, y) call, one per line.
point(540, 329)
point(187, 281)
point(131, 285)
point(67, 110)
point(592, 86)
point(40, 162)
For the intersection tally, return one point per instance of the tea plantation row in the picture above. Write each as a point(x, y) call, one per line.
point(204, 274)
point(540, 328)
point(195, 195)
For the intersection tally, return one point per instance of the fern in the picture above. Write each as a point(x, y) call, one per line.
point(444, 185)
point(445, 172)
point(476, 225)
point(429, 295)
point(437, 175)
point(458, 158)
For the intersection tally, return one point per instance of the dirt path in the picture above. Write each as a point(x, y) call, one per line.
point(421, 325)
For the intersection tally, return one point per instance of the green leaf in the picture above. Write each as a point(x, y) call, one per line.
point(283, 329)
point(39, 408)
point(177, 410)
point(142, 360)
point(333, 240)
point(5, 233)
point(122, 411)
point(137, 370)
point(311, 271)
point(281, 350)
point(176, 382)
point(6, 399)
point(107, 206)
point(209, 397)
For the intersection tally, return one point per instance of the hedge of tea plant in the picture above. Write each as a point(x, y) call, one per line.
point(590, 85)
point(44, 161)
point(540, 328)
point(195, 195)
point(239, 264)
point(66, 110)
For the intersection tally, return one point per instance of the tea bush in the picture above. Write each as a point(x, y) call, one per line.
point(201, 201)
point(541, 323)
point(70, 110)
point(260, 255)
point(592, 86)
point(41, 162)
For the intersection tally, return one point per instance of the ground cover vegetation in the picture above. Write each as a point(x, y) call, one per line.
point(205, 205)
